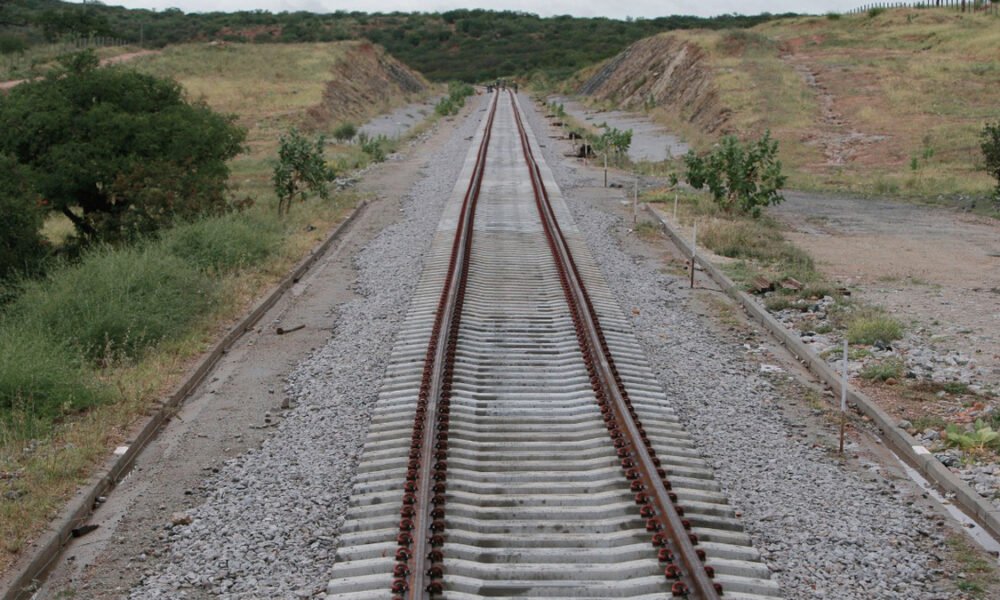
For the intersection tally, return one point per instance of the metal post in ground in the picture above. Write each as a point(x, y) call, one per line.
point(675, 209)
point(843, 399)
point(694, 250)
point(605, 168)
point(635, 201)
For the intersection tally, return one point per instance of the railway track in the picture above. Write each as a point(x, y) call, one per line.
point(521, 446)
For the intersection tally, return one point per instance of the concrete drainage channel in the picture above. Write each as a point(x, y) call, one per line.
point(531, 497)
point(908, 449)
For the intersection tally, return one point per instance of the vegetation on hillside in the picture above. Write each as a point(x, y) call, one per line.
point(891, 105)
point(469, 45)
point(97, 340)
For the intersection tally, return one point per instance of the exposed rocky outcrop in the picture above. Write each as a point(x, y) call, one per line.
point(663, 71)
point(366, 81)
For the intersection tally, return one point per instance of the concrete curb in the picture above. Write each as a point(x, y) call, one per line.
point(24, 576)
point(902, 443)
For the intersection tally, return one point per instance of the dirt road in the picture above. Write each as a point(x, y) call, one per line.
point(936, 269)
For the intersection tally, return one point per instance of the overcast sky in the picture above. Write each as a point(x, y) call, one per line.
point(580, 8)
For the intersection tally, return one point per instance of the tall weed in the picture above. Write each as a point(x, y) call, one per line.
point(41, 378)
point(224, 244)
point(117, 302)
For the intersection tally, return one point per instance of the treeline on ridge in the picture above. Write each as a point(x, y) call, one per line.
point(470, 45)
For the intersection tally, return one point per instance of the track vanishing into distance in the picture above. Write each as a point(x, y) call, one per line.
point(521, 445)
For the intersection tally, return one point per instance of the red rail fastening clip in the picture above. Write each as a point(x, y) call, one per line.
point(403, 554)
point(679, 589)
point(399, 586)
point(400, 570)
point(665, 555)
point(672, 572)
point(653, 525)
point(710, 571)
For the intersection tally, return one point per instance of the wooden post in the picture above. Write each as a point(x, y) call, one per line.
point(694, 250)
point(843, 399)
point(605, 168)
point(675, 208)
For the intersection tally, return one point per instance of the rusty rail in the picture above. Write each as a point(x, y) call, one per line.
point(670, 532)
point(418, 570)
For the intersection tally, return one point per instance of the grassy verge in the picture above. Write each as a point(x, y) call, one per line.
point(90, 350)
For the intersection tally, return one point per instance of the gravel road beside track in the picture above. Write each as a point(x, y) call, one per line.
point(826, 530)
point(267, 527)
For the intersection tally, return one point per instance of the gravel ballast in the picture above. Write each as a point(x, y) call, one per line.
point(825, 530)
point(268, 525)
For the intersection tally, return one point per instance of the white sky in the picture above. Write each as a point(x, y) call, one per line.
point(580, 8)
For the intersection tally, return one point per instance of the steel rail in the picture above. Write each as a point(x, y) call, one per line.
point(418, 570)
point(638, 458)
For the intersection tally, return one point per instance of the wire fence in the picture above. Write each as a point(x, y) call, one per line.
point(971, 6)
point(21, 63)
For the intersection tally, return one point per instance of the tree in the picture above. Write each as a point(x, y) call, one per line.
point(301, 169)
point(21, 217)
point(742, 178)
point(990, 137)
point(118, 152)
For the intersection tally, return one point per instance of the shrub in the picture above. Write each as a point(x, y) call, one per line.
point(891, 368)
point(612, 140)
point(874, 12)
point(873, 326)
point(990, 138)
point(223, 244)
point(21, 245)
point(301, 169)
point(118, 152)
point(377, 148)
point(116, 304)
point(345, 131)
point(743, 178)
point(41, 377)
point(12, 44)
point(446, 107)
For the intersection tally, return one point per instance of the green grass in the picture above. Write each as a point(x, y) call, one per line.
point(225, 244)
point(891, 368)
point(41, 378)
point(117, 302)
point(873, 325)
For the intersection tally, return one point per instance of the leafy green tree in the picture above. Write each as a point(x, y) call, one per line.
point(21, 244)
point(301, 169)
point(118, 152)
point(990, 137)
point(742, 178)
